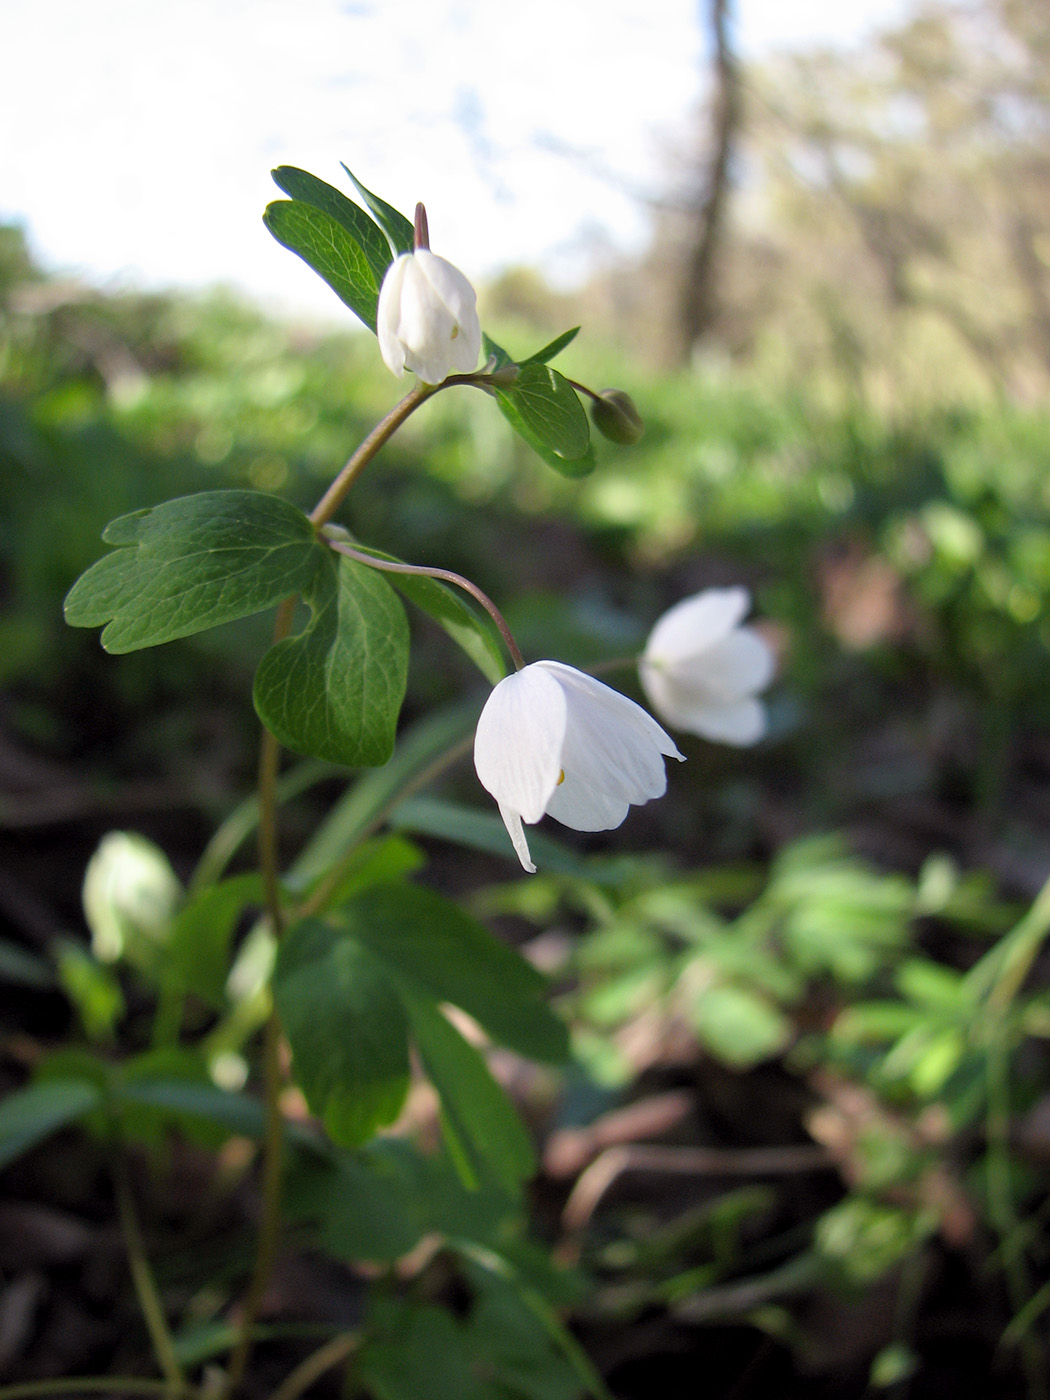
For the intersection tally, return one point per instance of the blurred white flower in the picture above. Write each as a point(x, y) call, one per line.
point(552, 740)
point(701, 670)
point(427, 319)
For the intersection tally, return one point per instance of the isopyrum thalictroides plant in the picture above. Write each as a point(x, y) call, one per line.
point(351, 962)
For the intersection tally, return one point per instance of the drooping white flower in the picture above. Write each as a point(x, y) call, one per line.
point(701, 670)
point(427, 319)
point(552, 740)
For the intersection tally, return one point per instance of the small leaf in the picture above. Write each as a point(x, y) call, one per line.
point(198, 953)
point(346, 1026)
point(541, 415)
point(485, 1135)
point(324, 244)
point(737, 1026)
point(308, 189)
point(452, 956)
point(473, 633)
point(335, 690)
point(556, 346)
point(549, 405)
point(194, 563)
point(30, 1115)
point(399, 230)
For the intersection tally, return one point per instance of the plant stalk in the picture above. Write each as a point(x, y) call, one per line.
point(142, 1276)
point(392, 567)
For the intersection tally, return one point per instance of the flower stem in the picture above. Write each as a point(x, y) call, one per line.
point(105, 1385)
point(322, 1360)
point(273, 1136)
point(390, 566)
point(142, 1277)
point(335, 495)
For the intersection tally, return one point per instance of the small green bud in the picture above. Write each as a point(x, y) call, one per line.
point(616, 417)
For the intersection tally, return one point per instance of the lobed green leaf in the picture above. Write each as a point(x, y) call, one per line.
point(335, 690)
point(194, 563)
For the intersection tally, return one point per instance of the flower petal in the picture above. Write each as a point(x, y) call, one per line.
point(516, 832)
point(612, 754)
point(388, 316)
point(518, 742)
point(737, 665)
point(740, 722)
point(695, 623)
point(459, 297)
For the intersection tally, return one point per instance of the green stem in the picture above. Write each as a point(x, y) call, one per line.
point(391, 566)
point(1001, 972)
point(273, 1138)
point(335, 495)
point(314, 1367)
point(1003, 1213)
point(106, 1385)
point(142, 1277)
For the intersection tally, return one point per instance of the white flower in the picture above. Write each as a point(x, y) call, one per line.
point(701, 670)
point(427, 319)
point(554, 741)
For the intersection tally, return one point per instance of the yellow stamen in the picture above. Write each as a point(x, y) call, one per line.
point(561, 778)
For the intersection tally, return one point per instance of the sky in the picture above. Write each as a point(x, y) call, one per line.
point(139, 137)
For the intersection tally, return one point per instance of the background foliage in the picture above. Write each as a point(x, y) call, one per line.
point(803, 1138)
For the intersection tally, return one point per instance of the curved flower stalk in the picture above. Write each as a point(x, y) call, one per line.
point(701, 670)
point(554, 741)
point(427, 319)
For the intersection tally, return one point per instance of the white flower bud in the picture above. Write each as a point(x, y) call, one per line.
point(427, 319)
point(552, 740)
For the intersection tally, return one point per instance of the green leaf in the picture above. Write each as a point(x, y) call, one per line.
point(485, 1136)
point(325, 245)
point(442, 950)
point(423, 745)
point(309, 189)
point(475, 634)
point(92, 987)
point(542, 407)
point(495, 352)
point(30, 1115)
point(737, 1026)
point(555, 347)
point(346, 1026)
point(194, 563)
point(378, 1202)
point(551, 410)
point(335, 690)
point(399, 230)
point(197, 958)
point(419, 1350)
